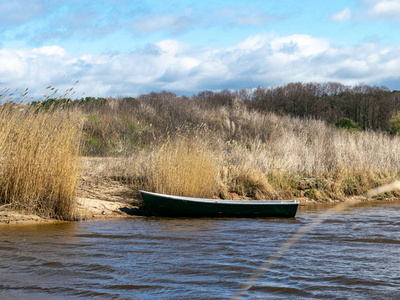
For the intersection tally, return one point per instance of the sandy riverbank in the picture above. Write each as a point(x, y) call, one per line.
point(87, 209)
point(99, 198)
point(100, 209)
point(105, 209)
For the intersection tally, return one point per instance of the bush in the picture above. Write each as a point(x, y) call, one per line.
point(395, 124)
point(348, 124)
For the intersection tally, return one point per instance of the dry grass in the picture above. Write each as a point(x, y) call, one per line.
point(256, 154)
point(184, 147)
point(39, 154)
point(182, 165)
point(269, 158)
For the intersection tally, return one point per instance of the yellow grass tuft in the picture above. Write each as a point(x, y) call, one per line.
point(250, 182)
point(184, 166)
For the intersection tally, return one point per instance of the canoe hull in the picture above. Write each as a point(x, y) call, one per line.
point(160, 205)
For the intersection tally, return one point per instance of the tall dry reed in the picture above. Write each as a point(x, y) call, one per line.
point(182, 165)
point(39, 160)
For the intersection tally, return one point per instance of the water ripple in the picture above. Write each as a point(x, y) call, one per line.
point(353, 255)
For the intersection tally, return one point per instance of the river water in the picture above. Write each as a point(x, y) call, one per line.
point(352, 255)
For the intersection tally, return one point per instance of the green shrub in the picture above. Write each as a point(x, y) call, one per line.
point(395, 124)
point(348, 124)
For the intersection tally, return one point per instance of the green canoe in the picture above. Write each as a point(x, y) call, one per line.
point(161, 205)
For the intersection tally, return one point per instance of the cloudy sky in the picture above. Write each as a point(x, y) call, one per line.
point(127, 47)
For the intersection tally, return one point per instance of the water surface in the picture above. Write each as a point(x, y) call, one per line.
point(353, 255)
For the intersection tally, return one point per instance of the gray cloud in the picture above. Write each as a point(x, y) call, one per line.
point(182, 21)
point(175, 23)
point(38, 22)
point(255, 19)
point(44, 22)
point(20, 11)
point(249, 16)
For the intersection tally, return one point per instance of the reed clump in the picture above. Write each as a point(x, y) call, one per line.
point(39, 160)
point(183, 165)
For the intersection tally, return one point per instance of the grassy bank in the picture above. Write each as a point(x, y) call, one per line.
point(39, 163)
point(188, 147)
point(184, 146)
point(301, 159)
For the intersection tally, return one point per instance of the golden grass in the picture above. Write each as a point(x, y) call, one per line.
point(39, 159)
point(183, 165)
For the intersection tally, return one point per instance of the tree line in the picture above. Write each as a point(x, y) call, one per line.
point(369, 107)
point(366, 107)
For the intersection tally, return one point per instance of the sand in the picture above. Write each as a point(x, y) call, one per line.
point(87, 209)
point(98, 198)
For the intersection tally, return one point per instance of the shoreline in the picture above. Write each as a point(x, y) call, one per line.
point(87, 210)
point(101, 210)
point(101, 196)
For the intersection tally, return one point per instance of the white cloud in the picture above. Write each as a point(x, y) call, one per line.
point(264, 60)
point(171, 46)
point(386, 9)
point(252, 43)
point(50, 51)
point(300, 45)
point(342, 16)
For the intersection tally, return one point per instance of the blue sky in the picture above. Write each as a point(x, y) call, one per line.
point(123, 47)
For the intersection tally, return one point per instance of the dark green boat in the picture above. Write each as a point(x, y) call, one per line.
point(161, 205)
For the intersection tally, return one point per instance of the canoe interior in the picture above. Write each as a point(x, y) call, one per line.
point(161, 205)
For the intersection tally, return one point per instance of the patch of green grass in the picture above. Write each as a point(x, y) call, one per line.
point(93, 118)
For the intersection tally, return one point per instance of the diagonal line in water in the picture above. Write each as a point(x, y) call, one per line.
point(302, 232)
point(384, 189)
point(286, 246)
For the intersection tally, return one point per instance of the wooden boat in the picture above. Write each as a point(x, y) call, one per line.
point(161, 205)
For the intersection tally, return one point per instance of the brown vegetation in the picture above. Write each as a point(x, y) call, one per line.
point(253, 153)
point(39, 160)
point(244, 144)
